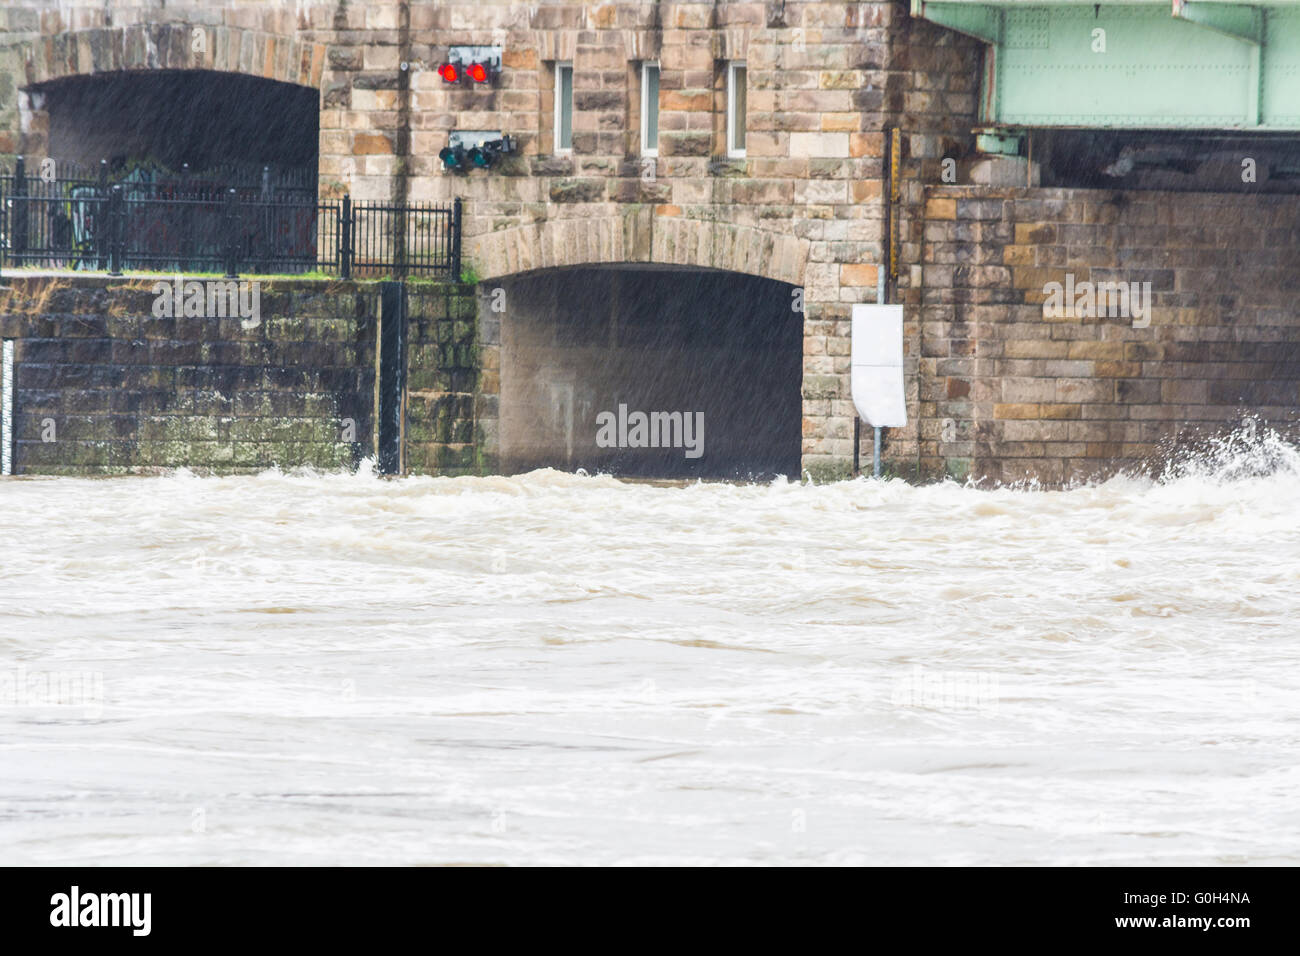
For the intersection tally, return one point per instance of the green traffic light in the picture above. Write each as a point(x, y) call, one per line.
point(453, 157)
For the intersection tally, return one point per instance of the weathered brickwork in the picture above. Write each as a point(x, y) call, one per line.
point(933, 86)
point(802, 206)
point(807, 205)
point(103, 386)
point(452, 382)
point(1009, 393)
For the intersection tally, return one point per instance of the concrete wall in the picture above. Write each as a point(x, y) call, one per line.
point(1057, 398)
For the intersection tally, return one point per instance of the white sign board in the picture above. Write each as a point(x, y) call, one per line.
point(877, 365)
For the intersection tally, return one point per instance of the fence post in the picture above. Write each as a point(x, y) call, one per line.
point(116, 230)
point(455, 239)
point(18, 241)
point(101, 221)
point(398, 222)
point(345, 238)
point(232, 234)
point(187, 242)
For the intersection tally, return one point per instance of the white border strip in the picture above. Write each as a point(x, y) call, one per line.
point(7, 408)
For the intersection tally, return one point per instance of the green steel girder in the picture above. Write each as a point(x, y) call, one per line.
point(1141, 64)
point(980, 21)
point(998, 142)
point(1235, 19)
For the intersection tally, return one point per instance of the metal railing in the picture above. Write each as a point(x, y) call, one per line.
point(195, 227)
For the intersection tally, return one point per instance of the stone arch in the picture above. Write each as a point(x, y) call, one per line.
point(570, 344)
point(57, 63)
point(172, 46)
point(636, 238)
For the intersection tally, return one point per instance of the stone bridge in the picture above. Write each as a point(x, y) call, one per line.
point(768, 157)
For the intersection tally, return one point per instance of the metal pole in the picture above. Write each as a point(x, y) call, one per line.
point(116, 229)
point(232, 234)
point(19, 217)
point(875, 460)
point(101, 218)
point(392, 377)
point(455, 240)
point(857, 445)
point(345, 237)
point(187, 249)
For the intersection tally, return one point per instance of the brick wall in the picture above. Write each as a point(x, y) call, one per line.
point(932, 91)
point(452, 382)
point(103, 386)
point(802, 206)
point(1026, 395)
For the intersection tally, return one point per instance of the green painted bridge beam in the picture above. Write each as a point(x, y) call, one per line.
point(1236, 20)
point(1240, 22)
point(1000, 142)
point(1136, 64)
point(980, 21)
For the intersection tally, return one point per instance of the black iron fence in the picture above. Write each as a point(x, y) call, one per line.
point(78, 223)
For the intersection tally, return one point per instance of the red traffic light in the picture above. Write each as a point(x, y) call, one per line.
point(449, 73)
point(477, 72)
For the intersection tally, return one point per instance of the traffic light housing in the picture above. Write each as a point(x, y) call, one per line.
point(454, 158)
point(482, 155)
point(471, 66)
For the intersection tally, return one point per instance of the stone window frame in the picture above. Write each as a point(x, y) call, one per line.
point(731, 128)
point(646, 67)
point(558, 112)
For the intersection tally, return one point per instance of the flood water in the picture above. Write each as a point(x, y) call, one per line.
point(310, 669)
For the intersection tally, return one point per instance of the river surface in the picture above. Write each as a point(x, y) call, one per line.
point(326, 669)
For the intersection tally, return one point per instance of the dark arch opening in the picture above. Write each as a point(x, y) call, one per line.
point(165, 119)
point(712, 360)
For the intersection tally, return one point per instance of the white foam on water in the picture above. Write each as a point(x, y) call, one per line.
point(550, 668)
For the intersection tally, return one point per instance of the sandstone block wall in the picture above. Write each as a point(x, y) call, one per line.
point(103, 386)
point(1008, 393)
point(806, 205)
point(452, 382)
point(802, 206)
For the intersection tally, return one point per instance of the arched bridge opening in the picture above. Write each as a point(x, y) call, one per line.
point(161, 121)
point(650, 371)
